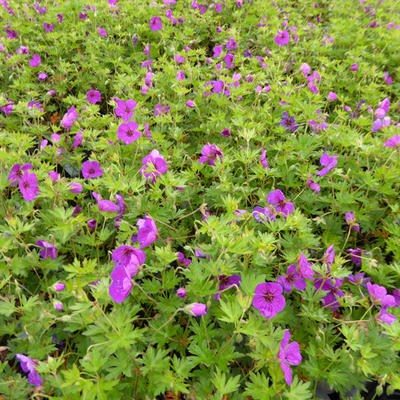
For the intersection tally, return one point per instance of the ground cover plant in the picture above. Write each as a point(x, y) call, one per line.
point(199, 200)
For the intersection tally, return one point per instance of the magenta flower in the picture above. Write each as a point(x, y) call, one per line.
point(379, 295)
point(304, 268)
point(105, 205)
point(268, 299)
point(125, 109)
point(354, 67)
point(181, 292)
point(332, 96)
point(387, 79)
point(349, 217)
point(358, 279)
point(154, 165)
point(291, 279)
point(129, 257)
point(329, 256)
point(282, 38)
point(78, 139)
point(225, 282)
point(42, 76)
point(263, 158)
point(197, 309)
point(48, 27)
point(69, 118)
point(313, 185)
point(28, 186)
point(17, 172)
point(121, 284)
point(49, 251)
point(128, 133)
point(93, 96)
point(217, 50)
point(35, 61)
point(75, 187)
point(121, 205)
point(331, 298)
point(356, 255)
point(54, 176)
point(155, 24)
point(190, 104)
point(393, 142)
point(8, 108)
point(329, 162)
point(268, 212)
point(385, 317)
point(182, 260)
point(101, 31)
point(289, 354)
point(28, 366)
point(147, 232)
point(59, 287)
point(305, 69)
point(209, 154)
point(91, 169)
point(226, 132)
point(278, 198)
point(58, 306)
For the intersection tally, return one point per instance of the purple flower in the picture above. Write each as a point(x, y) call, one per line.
point(128, 133)
point(78, 139)
point(200, 254)
point(385, 317)
point(92, 223)
point(35, 61)
point(282, 38)
point(387, 79)
point(289, 123)
point(349, 217)
point(354, 67)
point(263, 158)
point(121, 284)
point(268, 299)
point(75, 187)
point(217, 51)
point(48, 27)
point(182, 260)
point(147, 232)
point(28, 365)
point(394, 142)
point(305, 69)
point(289, 354)
point(181, 292)
point(379, 295)
point(155, 24)
point(329, 256)
point(304, 268)
point(42, 76)
point(129, 257)
point(154, 165)
point(91, 169)
point(105, 205)
point(209, 154)
point(121, 205)
point(226, 132)
point(332, 96)
point(69, 118)
point(190, 103)
point(178, 59)
point(313, 185)
point(356, 255)
point(358, 279)
point(8, 108)
point(225, 282)
point(59, 287)
point(101, 31)
point(329, 162)
point(93, 96)
point(58, 306)
point(17, 172)
point(268, 212)
point(48, 249)
point(28, 186)
point(291, 279)
point(125, 109)
point(197, 309)
point(278, 198)
point(331, 299)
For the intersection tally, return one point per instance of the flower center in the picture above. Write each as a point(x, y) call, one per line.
point(91, 171)
point(268, 297)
